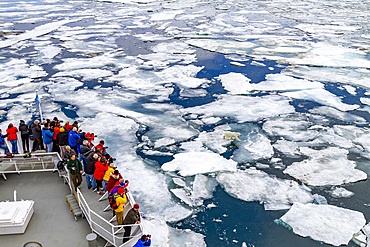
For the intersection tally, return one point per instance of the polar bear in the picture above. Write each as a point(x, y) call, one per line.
point(228, 135)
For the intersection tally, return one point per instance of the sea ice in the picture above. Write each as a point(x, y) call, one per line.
point(321, 96)
point(192, 163)
point(214, 140)
point(329, 166)
point(339, 192)
point(255, 185)
point(186, 238)
point(236, 83)
point(288, 148)
point(85, 74)
point(37, 31)
point(254, 146)
point(244, 108)
point(281, 82)
point(181, 75)
point(292, 127)
point(334, 113)
point(327, 223)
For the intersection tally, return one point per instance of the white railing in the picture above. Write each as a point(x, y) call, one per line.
point(114, 234)
point(38, 162)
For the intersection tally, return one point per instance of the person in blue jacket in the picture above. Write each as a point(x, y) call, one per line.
point(144, 241)
point(47, 135)
point(2, 142)
point(73, 138)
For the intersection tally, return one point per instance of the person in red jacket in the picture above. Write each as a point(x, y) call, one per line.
point(100, 145)
point(12, 137)
point(100, 167)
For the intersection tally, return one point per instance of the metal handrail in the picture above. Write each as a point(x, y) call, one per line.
point(87, 212)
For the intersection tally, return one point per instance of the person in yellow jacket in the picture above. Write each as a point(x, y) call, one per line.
point(121, 200)
point(107, 175)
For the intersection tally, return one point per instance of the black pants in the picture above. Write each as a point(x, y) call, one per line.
point(39, 141)
point(25, 142)
point(126, 235)
point(99, 184)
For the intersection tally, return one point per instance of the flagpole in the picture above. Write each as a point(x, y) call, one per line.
point(39, 102)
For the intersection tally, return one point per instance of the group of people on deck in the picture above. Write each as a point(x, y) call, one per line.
point(81, 158)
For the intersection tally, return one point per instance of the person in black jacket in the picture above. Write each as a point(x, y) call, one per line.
point(62, 141)
point(89, 171)
point(132, 217)
point(37, 136)
point(23, 128)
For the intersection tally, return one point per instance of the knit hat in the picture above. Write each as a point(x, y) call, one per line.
point(122, 184)
point(121, 190)
point(136, 206)
point(61, 129)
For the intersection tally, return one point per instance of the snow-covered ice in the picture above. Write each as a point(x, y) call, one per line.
point(192, 163)
point(255, 185)
point(327, 223)
point(329, 166)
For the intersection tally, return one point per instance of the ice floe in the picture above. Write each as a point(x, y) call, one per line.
point(244, 108)
point(254, 146)
point(339, 192)
point(327, 223)
point(192, 163)
point(255, 185)
point(235, 83)
point(202, 188)
point(329, 166)
point(38, 31)
point(321, 96)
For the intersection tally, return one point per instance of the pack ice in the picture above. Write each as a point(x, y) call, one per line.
point(328, 166)
point(327, 223)
point(192, 163)
point(255, 185)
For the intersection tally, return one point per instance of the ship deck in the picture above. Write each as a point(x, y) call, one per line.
point(52, 223)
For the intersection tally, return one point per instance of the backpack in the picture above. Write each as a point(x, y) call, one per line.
point(112, 200)
point(61, 164)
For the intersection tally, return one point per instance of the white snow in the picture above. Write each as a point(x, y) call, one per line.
point(327, 223)
point(339, 192)
point(192, 163)
point(37, 31)
point(235, 83)
point(255, 185)
point(244, 108)
point(329, 166)
point(254, 146)
point(321, 96)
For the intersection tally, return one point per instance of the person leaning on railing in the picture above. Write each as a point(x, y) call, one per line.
point(132, 217)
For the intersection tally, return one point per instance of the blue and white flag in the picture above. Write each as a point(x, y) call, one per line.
point(37, 99)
